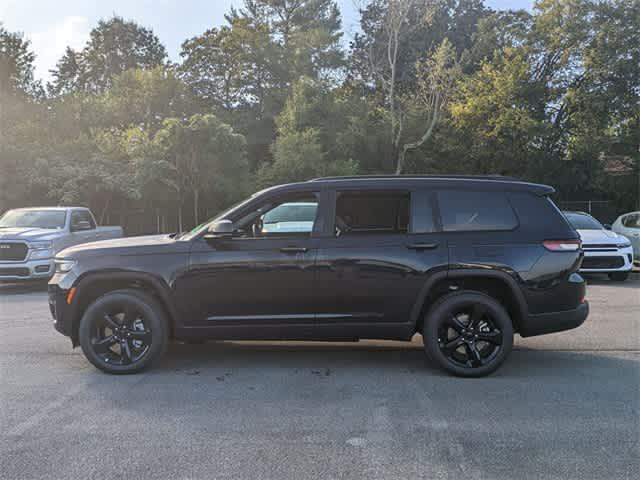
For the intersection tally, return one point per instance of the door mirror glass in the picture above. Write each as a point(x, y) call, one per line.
point(219, 229)
point(80, 226)
point(607, 226)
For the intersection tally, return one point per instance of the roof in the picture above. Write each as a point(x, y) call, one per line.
point(51, 208)
point(484, 182)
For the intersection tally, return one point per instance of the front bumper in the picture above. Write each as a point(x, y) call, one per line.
point(59, 309)
point(607, 260)
point(28, 270)
point(543, 323)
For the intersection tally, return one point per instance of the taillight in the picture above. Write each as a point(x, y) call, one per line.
point(562, 245)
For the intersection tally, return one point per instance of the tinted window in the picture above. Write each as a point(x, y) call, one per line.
point(469, 211)
point(631, 221)
point(422, 212)
point(82, 216)
point(372, 212)
point(50, 219)
point(583, 222)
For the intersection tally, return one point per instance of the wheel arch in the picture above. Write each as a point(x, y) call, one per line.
point(495, 283)
point(93, 285)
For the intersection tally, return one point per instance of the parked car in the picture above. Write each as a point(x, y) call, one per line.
point(31, 237)
point(465, 261)
point(628, 225)
point(604, 251)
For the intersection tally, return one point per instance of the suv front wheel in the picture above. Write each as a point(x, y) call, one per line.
point(468, 333)
point(123, 331)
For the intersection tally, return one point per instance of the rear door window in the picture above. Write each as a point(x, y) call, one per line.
point(463, 211)
point(371, 212)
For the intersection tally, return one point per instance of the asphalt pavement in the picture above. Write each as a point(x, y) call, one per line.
point(564, 406)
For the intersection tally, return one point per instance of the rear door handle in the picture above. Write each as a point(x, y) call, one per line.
point(422, 246)
point(293, 249)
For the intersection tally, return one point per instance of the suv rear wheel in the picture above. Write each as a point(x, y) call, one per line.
point(468, 334)
point(123, 331)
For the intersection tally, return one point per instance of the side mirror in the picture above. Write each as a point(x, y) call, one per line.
point(219, 230)
point(607, 226)
point(81, 226)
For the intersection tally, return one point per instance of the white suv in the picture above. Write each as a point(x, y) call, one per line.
point(604, 251)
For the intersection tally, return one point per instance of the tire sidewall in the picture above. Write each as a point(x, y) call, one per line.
point(447, 305)
point(153, 314)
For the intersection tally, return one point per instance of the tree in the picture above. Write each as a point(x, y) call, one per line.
point(16, 66)
point(436, 77)
point(392, 52)
point(200, 154)
point(310, 140)
point(114, 46)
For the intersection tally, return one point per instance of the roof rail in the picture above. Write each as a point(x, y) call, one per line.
point(373, 177)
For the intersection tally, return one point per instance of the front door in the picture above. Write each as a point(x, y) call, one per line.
point(263, 275)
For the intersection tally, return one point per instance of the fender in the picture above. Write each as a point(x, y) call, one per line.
point(158, 284)
point(507, 278)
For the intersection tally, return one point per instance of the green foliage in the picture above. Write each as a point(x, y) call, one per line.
point(198, 154)
point(114, 46)
point(271, 96)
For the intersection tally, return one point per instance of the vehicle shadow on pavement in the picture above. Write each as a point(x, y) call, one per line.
point(32, 286)
point(324, 359)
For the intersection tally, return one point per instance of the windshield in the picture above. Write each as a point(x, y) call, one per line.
point(583, 222)
point(49, 219)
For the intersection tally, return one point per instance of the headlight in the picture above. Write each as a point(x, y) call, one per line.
point(64, 266)
point(624, 244)
point(40, 245)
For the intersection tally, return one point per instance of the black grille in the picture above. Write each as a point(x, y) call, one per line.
point(598, 245)
point(13, 252)
point(14, 272)
point(602, 262)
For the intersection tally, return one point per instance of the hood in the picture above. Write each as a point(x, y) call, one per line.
point(600, 236)
point(146, 245)
point(30, 233)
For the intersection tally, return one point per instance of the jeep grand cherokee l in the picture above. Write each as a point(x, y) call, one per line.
point(465, 261)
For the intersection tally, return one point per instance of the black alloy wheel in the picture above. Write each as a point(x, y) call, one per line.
point(469, 337)
point(121, 338)
point(468, 333)
point(123, 331)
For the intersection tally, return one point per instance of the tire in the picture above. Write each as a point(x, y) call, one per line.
point(123, 331)
point(618, 276)
point(468, 334)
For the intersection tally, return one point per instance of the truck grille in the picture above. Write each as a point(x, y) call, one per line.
point(14, 272)
point(13, 252)
point(602, 262)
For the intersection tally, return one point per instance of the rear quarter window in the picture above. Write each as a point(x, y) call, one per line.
point(464, 211)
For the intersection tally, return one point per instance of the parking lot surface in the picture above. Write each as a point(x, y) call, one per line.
point(563, 406)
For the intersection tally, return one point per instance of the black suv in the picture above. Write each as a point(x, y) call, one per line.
point(465, 261)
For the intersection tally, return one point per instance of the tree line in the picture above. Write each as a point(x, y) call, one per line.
point(276, 94)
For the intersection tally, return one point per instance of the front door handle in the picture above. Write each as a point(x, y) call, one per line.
point(293, 249)
point(422, 246)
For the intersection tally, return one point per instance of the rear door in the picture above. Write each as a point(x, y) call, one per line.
point(381, 246)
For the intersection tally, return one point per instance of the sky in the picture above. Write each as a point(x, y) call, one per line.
point(52, 25)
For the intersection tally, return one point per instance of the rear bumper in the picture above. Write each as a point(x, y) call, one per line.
point(540, 324)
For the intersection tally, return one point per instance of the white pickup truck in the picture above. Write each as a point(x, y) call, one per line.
point(31, 237)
